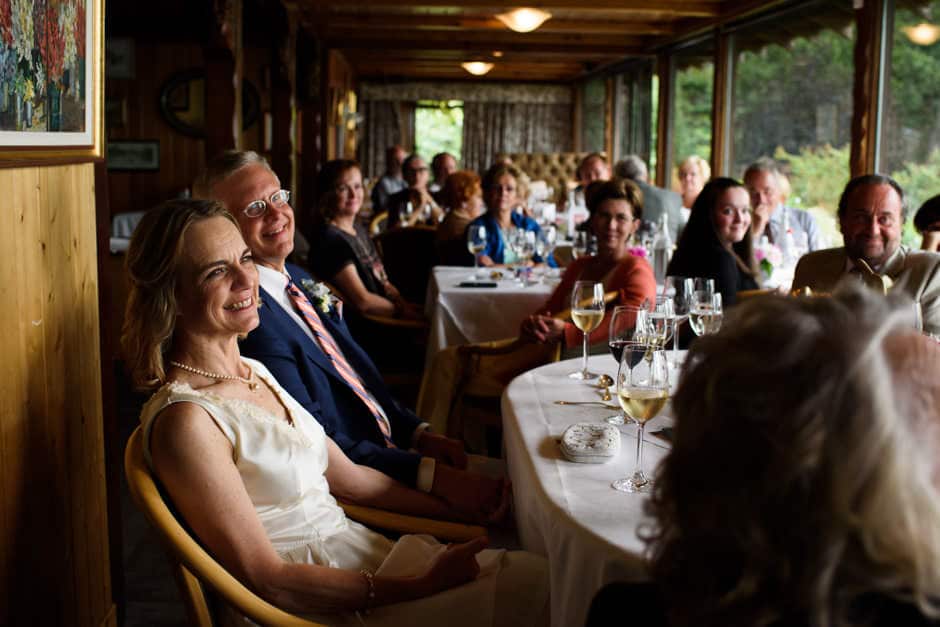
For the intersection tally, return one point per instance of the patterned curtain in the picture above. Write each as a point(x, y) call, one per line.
point(385, 124)
point(493, 127)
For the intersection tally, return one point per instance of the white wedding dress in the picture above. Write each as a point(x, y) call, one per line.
point(283, 468)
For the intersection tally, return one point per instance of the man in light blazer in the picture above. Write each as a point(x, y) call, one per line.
point(320, 364)
point(871, 217)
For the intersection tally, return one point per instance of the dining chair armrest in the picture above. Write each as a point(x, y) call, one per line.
point(404, 523)
point(498, 347)
point(402, 323)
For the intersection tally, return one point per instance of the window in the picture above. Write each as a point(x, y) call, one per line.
point(634, 116)
point(593, 103)
point(910, 146)
point(438, 128)
point(792, 100)
point(692, 105)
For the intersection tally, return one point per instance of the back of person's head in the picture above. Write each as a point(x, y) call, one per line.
point(500, 169)
point(459, 188)
point(802, 472)
point(327, 180)
point(224, 165)
point(599, 192)
point(632, 167)
point(870, 179)
point(153, 263)
point(928, 215)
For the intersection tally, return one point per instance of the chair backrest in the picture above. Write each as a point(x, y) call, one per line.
point(408, 255)
point(192, 566)
point(378, 222)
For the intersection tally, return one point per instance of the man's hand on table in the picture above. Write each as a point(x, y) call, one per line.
point(443, 449)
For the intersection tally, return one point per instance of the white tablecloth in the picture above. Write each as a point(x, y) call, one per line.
point(566, 511)
point(466, 315)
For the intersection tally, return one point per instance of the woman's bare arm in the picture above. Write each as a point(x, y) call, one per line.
point(352, 288)
point(194, 460)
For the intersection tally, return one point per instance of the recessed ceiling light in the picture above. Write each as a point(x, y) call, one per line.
point(497, 54)
point(477, 68)
point(523, 20)
point(923, 34)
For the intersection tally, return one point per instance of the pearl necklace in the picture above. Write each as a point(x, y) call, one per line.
point(250, 382)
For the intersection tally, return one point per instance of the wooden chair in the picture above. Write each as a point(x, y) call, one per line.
point(485, 369)
point(744, 295)
point(195, 569)
point(378, 223)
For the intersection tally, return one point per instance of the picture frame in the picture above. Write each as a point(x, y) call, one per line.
point(133, 155)
point(52, 105)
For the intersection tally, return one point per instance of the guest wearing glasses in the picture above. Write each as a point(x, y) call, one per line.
point(414, 204)
point(505, 188)
point(345, 393)
point(716, 242)
point(616, 208)
point(801, 488)
point(253, 473)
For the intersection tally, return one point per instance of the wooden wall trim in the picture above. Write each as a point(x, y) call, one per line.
point(610, 90)
point(665, 69)
point(871, 67)
point(722, 103)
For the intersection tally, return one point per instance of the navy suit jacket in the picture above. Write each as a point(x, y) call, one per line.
point(304, 370)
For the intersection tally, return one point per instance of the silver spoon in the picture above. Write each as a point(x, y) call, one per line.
point(602, 404)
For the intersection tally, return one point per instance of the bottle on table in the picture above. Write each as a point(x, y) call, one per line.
point(662, 250)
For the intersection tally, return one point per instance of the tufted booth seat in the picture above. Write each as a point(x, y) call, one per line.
point(557, 169)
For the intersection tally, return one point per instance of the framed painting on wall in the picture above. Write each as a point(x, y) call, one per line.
point(51, 81)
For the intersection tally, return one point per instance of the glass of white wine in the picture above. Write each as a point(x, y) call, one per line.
point(642, 391)
point(706, 313)
point(627, 326)
point(587, 312)
point(662, 322)
point(476, 244)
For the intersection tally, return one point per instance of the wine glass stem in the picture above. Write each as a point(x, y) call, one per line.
point(584, 354)
point(675, 339)
point(476, 264)
point(639, 448)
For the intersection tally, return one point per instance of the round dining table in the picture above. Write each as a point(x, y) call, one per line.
point(566, 511)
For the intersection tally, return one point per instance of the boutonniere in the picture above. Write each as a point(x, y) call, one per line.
point(322, 296)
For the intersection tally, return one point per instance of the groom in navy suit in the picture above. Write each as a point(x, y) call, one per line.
point(304, 342)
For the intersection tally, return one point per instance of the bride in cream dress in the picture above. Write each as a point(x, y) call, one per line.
point(253, 473)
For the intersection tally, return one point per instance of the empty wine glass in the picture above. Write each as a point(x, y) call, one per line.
point(476, 244)
point(661, 323)
point(642, 391)
point(584, 244)
point(680, 288)
point(587, 312)
point(706, 314)
point(627, 326)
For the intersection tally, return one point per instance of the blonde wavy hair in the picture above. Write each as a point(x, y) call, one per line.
point(801, 478)
point(152, 265)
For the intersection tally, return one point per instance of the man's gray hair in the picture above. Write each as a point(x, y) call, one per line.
point(632, 167)
point(224, 165)
point(765, 164)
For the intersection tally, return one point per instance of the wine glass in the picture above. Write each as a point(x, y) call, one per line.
point(662, 320)
point(409, 211)
point(706, 313)
point(642, 391)
point(587, 311)
point(627, 325)
point(545, 241)
point(476, 244)
point(680, 288)
point(918, 311)
point(583, 244)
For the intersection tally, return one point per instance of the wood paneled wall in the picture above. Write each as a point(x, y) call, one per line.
point(53, 518)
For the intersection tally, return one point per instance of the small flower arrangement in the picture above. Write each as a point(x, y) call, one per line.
point(637, 251)
point(769, 256)
point(322, 296)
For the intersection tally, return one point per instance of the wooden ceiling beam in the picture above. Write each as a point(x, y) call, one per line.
point(572, 56)
point(679, 8)
point(459, 23)
point(397, 39)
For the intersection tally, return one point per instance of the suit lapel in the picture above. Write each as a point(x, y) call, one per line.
point(288, 326)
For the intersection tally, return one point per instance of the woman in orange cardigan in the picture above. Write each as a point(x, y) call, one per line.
point(616, 208)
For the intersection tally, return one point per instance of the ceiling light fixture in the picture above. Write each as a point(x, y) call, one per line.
point(524, 20)
point(477, 68)
point(923, 34)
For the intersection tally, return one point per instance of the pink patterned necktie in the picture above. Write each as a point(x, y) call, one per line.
point(329, 347)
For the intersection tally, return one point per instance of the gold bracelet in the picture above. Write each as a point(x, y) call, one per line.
point(370, 595)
